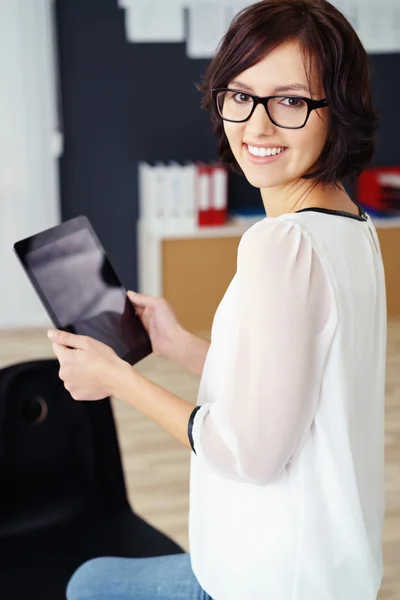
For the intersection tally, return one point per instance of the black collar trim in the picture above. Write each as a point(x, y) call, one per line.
point(361, 217)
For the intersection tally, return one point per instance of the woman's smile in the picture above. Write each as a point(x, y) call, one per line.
point(262, 155)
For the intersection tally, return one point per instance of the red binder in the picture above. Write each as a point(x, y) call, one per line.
point(203, 194)
point(219, 194)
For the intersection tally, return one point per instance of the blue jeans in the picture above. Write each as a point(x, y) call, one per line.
point(156, 578)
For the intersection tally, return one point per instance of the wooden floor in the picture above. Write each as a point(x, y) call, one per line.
point(157, 467)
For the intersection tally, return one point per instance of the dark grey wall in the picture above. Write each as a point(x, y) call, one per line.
point(386, 90)
point(122, 103)
point(125, 102)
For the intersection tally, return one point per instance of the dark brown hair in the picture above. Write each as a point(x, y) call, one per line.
point(327, 37)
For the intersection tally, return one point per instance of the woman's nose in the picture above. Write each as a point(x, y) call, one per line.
point(259, 123)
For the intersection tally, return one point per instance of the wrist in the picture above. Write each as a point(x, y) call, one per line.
point(177, 344)
point(118, 375)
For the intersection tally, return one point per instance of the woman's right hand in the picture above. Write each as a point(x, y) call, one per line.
point(159, 320)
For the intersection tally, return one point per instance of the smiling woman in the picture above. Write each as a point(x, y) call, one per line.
point(300, 124)
point(309, 57)
point(287, 477)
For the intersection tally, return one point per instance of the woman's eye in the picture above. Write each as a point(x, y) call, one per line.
point(241, 98)
point(293, 102)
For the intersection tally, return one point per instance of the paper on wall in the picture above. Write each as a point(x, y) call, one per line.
point(208, 23)
point(164, 21)
point(154, 21)
point(379, 27)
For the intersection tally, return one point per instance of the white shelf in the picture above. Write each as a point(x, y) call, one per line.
point(230, 229)
point(386, 223)
point(150, 246)
point(237, 227)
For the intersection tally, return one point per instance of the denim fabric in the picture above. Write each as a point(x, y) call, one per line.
point(155, 578)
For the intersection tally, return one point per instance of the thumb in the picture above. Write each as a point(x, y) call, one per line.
point(65, 338)
point(141, 299)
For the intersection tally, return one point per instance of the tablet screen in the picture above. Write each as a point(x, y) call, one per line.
point(76, 282)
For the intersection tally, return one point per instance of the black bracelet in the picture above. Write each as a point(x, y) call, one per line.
point(190, 427)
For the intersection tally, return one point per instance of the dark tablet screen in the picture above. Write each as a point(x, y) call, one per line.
point(79, 288)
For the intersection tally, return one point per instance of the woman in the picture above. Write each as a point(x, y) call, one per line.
point(287, 499)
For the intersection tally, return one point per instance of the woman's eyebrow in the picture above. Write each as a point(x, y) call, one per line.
point(296, 87)
point(292, 87)
point(243, 86)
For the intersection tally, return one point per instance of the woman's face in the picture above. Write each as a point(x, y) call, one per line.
point(277, 73)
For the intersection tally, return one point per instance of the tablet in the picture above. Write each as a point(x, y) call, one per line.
point(79, 288)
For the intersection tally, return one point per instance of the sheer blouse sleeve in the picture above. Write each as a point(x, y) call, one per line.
point(283, 328)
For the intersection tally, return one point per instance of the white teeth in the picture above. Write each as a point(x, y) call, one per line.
point(265, 151)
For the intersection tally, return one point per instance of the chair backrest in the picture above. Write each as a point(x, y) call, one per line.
point(59, 458)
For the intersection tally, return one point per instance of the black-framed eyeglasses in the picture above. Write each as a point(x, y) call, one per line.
point(289, 112)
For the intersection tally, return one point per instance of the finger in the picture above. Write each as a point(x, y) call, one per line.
point(140, 310)
point(67, 339)
point(141, 299)
point(60, 351)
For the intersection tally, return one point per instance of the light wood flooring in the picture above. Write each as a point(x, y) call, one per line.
point(157, 467)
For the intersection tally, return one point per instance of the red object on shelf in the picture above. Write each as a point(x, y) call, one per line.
point(378, 189)
point(219, 194)
point(203, 194)
point(211, 194)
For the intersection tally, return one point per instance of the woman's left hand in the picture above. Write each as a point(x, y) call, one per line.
point(90, 369)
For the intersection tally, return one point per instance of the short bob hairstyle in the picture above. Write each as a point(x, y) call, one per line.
point(326, 36)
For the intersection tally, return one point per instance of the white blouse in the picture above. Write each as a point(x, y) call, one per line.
point(286, 496)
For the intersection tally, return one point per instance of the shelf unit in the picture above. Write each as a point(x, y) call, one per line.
point(183, 267)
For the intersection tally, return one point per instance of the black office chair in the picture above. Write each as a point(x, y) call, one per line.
point(62, 492)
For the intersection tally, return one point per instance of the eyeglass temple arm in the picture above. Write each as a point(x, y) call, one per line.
point(320, 103)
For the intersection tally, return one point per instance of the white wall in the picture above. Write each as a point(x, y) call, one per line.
point(29, 197)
